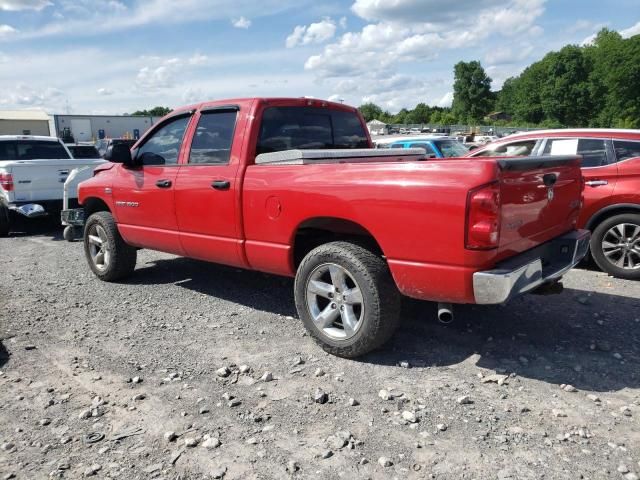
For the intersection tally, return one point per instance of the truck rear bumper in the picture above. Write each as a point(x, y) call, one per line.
point(529, 270)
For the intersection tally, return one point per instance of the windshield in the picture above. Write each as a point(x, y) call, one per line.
point(32, 150)
point(451, 148)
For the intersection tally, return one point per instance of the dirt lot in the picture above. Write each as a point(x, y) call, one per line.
point(95, 377)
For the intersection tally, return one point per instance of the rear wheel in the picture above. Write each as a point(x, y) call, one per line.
point(347, 299)
point(615, 246)
point(5, 222)
point(109, 257)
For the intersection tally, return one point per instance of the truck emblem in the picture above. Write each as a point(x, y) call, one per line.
point(126, 204)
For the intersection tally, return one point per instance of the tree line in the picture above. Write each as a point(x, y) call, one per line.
point(594, 85)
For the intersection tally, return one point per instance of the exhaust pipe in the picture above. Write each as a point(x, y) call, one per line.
point(445, 313)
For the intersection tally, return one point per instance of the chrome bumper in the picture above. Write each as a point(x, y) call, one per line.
point(29, 210)
point(527, 271)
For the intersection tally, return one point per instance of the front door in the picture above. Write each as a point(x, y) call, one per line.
point(144, 196)
point(208, 190)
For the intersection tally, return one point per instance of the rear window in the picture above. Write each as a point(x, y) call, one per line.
point(425, 146)
point(593, 150)
point(32, 150)
point(451, 148)
point(513, 149)
point(304, 128)
point(83, 151)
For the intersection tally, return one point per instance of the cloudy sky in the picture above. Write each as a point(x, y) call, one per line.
point(116, 56)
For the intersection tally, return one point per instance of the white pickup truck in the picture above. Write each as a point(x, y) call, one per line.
point(33, 170)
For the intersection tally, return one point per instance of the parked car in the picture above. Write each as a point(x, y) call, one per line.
point(33, 170)
point(104, 144)
point(82, 150)
point(434, 146)
point(292, 187)
point(611, 169)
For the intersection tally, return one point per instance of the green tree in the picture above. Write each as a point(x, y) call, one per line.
point(154, 112)
point(371, 111)
point(472, 97)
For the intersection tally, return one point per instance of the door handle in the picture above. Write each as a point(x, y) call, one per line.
point(596, 183)
point(221, 184)
point(163, 183)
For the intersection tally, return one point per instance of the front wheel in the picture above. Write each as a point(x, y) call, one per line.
point(347, 299)
point(615, 246)
point(109, 257)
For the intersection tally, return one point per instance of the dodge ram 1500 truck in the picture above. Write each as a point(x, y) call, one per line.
point(292, 187)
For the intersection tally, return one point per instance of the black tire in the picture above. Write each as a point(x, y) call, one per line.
point(597, 251)
point(122, 257)
point(5, 221)
point(380, 314)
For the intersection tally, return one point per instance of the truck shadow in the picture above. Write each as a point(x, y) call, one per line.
point(4, 355)
point(45, 226)
point(588, 339)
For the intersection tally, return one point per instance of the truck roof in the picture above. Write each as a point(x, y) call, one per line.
point(310, 101)
point(38, 138)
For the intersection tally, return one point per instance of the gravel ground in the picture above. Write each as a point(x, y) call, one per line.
point(195, 371)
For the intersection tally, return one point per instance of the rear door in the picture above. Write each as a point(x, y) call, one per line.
point(599, 169)
point(208, 188)
point(144, 197)
point(627, 152)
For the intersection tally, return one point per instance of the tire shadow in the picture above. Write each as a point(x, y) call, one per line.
point(588, 339)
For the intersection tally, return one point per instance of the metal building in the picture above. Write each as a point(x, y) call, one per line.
point(24, 122)
point(88, 128)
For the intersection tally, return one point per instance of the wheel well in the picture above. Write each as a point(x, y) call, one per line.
point(93, 205)
point(608, 212)
point(315, 232)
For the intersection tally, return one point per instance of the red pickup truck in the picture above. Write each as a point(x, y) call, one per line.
point(292, 187)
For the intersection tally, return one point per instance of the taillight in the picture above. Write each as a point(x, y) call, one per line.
point(6, 181)
point(483, 217)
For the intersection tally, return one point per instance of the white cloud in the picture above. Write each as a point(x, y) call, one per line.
point(18, 5)
point(197, 59)
point(104, 91)
point(241, 22)
point(367, 63)
point(6, 30)
point(23, 95)
point(631, 31)
point(192, 95)
point(446, 100)
point(318, 32)
point(505, 55)
point(93, 17)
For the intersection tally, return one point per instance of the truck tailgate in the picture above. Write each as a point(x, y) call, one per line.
point(38, 180)
point(541, 199)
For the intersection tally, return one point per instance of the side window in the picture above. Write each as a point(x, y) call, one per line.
point(427, 148)
point(626, 149)
point(593, 150)
point(163, 147)
point(515, 149)
point(8, 151)
point(396, 145)
point(212, 141)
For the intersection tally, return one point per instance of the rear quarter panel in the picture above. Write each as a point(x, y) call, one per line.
point(414, 210)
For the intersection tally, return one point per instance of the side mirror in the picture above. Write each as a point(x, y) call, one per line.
point(119, 153)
